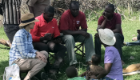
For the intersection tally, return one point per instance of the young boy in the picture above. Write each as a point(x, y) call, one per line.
point(72, 74)
point(94, 70)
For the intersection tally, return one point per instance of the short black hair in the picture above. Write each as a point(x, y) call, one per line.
point(111, 6)
point(49, 9)
point(76, 3)
point(71, 72)
point(96, 59)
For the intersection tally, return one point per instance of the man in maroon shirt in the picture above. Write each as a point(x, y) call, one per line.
point(45, 37)
point(110, 20)
point(70, 23)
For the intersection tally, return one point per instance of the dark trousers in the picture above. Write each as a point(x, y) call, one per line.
point(56, 48)
point(118, 44)
point(10, 30)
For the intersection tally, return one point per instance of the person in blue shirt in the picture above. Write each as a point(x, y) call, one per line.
point(22, 51)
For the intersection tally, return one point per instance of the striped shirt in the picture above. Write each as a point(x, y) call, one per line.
point(11, 14)
point(22, 46)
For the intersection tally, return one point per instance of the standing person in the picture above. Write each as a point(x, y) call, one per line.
point(70, 23)
point(46, 37)
point(112, 21)
point(11, 17)
point(37, 6)
point(22, 51)
point(112, 59)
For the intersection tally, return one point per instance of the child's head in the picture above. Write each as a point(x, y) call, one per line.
point(96, 59)
point(71, 72)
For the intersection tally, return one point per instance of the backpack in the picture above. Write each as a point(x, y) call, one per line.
point(12, 72)
point(1, 6)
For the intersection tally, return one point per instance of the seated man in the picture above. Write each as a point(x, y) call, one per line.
point(43, 36)
point(70, 22)
point(110, 20)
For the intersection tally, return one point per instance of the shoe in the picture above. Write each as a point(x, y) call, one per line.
point(43, 76)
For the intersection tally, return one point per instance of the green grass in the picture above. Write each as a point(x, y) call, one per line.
point(129, 31)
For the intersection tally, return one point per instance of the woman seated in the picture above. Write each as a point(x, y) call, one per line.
point(112, 59)
point(22, 52)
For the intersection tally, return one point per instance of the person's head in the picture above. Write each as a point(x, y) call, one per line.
point(48, 13)
point(107, 37)
point(74, 8)
point(27, 20)
point(96, 59)
point(71, 72)
point(109, 10)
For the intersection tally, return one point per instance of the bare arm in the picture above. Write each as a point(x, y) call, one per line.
point(30, 4)
point(105, 72)
point(71, 32)
point(74, 32)
point(31, 9)
point(80, 32)
point(118, 28)
point(102, 25)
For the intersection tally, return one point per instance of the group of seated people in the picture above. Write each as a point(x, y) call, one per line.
point(39, 36)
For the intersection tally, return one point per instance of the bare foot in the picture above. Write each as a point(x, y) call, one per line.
point(134, 39)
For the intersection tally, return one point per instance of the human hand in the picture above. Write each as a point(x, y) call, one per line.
point(41, 56)
point(96, 35)
point(48, 36)
point(104, 16)
point(85, 34)
point(58, 40)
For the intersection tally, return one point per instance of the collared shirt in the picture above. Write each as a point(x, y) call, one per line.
point(111, 24)
point(42, 27)
point(38, 6)
point(22, 46)
point(68, 22)
point(11, 14)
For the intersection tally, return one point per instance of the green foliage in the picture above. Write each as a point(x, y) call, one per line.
point(92, 15)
